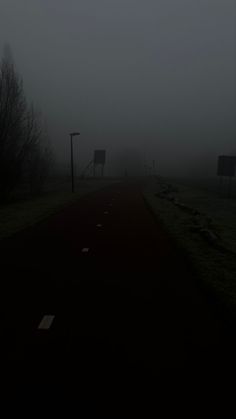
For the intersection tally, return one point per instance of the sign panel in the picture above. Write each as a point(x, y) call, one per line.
point(226, 166)
point(99, 157)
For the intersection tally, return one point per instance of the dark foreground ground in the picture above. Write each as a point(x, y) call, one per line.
point(132, 331)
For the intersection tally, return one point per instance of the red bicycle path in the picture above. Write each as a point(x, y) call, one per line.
point(132, 328)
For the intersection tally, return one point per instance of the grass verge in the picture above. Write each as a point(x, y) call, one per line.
point(215, 268)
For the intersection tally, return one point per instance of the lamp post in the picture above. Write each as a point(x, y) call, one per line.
point(73, 134)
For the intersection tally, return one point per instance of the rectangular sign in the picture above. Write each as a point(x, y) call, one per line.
point(99, 157)
point(226, 166)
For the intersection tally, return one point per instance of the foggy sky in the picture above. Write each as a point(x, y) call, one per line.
point(153, 75)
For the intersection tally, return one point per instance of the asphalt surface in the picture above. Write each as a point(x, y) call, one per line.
point(99, 309)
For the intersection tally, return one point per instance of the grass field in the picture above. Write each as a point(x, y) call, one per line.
point(202, 220)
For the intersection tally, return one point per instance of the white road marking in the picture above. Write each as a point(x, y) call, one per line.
point(99, 225)
point(46, 322)
point(85, 250)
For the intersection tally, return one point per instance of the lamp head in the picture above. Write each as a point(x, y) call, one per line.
point(75, 133)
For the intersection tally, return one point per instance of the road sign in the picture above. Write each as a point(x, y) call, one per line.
point(226, 166)
point(99, 157)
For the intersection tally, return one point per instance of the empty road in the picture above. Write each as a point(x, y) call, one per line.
point(98, 307)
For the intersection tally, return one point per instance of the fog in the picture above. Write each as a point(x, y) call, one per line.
point(155, 77)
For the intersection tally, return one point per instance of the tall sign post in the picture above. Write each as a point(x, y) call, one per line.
point(99, 159)
point(226, 167)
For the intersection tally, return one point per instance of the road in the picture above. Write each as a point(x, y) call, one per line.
point(100, 308)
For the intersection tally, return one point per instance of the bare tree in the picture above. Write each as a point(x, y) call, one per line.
point(13, 110)
point(40, 160)
point(20, 130)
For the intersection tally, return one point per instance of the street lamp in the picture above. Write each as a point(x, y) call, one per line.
point(73, 134)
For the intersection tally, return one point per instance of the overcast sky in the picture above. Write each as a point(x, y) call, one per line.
point(157, 75)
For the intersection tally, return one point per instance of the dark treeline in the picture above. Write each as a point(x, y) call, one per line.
point(25, 157)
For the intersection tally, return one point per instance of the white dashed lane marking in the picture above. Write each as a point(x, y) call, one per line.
point(46, 322)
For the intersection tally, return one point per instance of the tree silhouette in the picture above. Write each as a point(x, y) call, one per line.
point(20, 130)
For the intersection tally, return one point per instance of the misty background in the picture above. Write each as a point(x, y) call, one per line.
point(153, 79)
